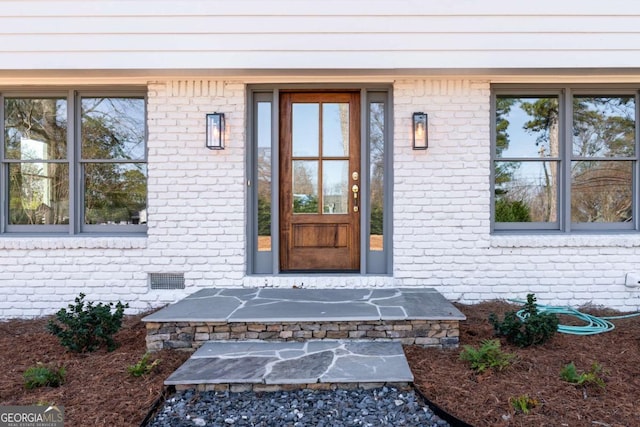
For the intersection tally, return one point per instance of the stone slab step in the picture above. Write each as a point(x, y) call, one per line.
point(268, 305)
point(285, 363)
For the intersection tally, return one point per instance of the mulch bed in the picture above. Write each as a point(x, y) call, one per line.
point(483, 400)
point(100, 392)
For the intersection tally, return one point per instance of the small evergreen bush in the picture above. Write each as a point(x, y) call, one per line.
point(85, 328)
point(41, 376)
point(488, 356)
point(536, 328)
point(570, 374)
point(143, 367)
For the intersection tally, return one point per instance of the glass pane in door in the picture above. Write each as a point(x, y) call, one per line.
point(335, 129)
point(335, 186)
point(305, 186)
point(305, 130)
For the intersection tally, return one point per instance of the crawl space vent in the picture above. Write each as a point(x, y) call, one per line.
point(166, 281)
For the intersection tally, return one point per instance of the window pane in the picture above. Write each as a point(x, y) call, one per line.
point(335, 186)
point(113, 128)
point(305, 186)
point(601, 191)
point(528, 194)
point(335, 130)
point(264, 175)
point(38, 193)
point(35, 129)
point(305, 133)
point(527, 127)
point(604, 126)
point(115, 193)
point(376, 160)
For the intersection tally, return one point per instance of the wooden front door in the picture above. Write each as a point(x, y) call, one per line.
point(320, 181)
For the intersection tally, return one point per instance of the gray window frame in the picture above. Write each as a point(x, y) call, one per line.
point(5, 227)
point(74, 161)
point(268, 262)
point(565, 94)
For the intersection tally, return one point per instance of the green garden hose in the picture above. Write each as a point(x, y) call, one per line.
point(593, 324)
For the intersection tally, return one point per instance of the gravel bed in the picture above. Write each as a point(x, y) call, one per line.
point(384, 406)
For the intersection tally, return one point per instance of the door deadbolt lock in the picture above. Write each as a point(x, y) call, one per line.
point(354, 190)
point(355, 176)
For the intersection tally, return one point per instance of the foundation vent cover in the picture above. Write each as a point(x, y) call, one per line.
point(166, 280)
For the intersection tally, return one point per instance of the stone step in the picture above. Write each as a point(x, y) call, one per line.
point(272, 305)
point(274, 365)
point(410, 315)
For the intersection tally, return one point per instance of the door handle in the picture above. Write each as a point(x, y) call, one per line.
point(354, 190)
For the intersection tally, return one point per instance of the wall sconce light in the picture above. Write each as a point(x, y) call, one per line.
point(420, 131)
point(215, 131)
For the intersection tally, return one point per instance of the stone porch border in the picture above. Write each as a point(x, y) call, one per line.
point(189, 336)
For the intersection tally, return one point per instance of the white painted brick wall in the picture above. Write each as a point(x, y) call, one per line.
point(197, 217)
point(196, 196)
point(442, 215)
point(195, 212)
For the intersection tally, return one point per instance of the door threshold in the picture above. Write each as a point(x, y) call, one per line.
point(319, 272)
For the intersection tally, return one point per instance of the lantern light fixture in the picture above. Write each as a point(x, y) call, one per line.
point(420, 131)
point(215, 131)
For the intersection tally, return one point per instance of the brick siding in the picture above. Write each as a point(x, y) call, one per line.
point(197, 217)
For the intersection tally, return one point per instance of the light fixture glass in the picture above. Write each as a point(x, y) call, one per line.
point(215, 131)
point(420, 131)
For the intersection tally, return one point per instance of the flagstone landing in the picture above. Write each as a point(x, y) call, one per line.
point(407, 315)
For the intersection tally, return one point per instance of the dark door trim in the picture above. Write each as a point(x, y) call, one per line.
point(267, 262)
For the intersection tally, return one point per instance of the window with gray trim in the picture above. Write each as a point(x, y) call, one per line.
point(73, 162)
point(565, 158)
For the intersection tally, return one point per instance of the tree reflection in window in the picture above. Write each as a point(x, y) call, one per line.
point(113, 157)
point(35, 134)
point(376, 161)
point(530, 159)
point(264, 175)
point(603, 129)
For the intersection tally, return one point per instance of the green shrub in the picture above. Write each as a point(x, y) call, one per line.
point(41, 376)
point(570, 374)
point(143, 367)
point(536, 328)
point(512, 211)
point(305, 204)
point(488, 356)
point(377, 219)
point(264, 216)
point(523, 403)
point(86, 328)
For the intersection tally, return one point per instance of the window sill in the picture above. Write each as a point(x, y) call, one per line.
point(72, 242)
point(621, 239)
